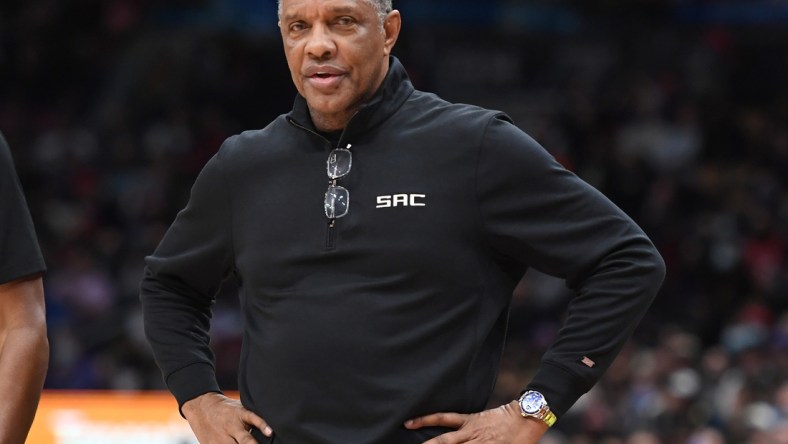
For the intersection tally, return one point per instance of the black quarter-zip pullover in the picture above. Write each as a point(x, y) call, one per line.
point(402, 311)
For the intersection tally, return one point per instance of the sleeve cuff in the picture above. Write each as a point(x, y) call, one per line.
point(191, 382)
point(560, 388)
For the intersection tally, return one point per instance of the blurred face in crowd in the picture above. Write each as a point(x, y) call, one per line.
point(338, 54)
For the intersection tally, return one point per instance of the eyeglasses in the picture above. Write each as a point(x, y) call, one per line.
point(337, 200)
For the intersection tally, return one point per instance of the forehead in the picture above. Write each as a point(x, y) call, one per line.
point(291, 8)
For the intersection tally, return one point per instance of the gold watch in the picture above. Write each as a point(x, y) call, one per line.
point(533, 405)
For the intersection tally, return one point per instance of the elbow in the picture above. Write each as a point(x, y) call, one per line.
point(43, 355)
point(29, 346)
point(659, 269)
point(38, 346)
point(653, 273)
point(40, 339)
point(39, 351)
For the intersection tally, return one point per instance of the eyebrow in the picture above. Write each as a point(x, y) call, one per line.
point(337, 10)
point(343, 10)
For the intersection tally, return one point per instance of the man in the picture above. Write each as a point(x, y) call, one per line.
point(24, 348)
point(381, 318)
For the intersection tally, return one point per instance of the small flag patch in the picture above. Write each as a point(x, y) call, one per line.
point(588, 362)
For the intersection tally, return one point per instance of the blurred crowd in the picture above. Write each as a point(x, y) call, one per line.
point(112, 107)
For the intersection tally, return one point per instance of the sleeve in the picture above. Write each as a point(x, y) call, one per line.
point(540, 215)
point(180, 283)
point(20, 254)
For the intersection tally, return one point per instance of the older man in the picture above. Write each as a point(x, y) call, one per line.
point(381, 317)
point(24, 348)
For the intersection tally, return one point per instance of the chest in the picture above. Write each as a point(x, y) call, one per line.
point(412, 206)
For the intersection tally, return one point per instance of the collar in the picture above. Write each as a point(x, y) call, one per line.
point(395, 89)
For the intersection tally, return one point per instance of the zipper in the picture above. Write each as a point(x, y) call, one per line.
point(331, 229)
point(331, 235)
point(301, 127)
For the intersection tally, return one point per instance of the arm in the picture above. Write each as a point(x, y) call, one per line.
point(537, 214)
point(177, 292)
point(24, 355)
point(180, 281)
point(540, 215)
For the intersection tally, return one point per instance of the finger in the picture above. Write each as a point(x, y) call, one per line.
point(246, 438)
point(258, 422)
point(448, 438)
point(453, 420)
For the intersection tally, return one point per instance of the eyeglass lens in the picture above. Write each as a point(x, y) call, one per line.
point(337, 201)
point(339, 162)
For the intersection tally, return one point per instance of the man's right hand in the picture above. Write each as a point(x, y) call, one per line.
point(217, 419)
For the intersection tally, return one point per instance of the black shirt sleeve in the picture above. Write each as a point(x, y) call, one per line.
point(540, 215)
point(20, 254)
point(180, 282)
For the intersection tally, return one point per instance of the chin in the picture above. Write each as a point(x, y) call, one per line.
point(328, 106)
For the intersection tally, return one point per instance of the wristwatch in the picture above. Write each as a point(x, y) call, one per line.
point(533, 405)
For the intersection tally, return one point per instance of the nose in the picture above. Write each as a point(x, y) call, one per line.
point(320, 45)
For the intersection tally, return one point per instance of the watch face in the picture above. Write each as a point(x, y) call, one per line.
point(532, 402)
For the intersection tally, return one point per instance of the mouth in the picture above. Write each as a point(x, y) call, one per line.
point(325, 79)
point(323, 75)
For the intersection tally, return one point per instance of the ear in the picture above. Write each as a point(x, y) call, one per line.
point(391, 28)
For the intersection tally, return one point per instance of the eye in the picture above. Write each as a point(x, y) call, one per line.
point(297, 27)
point(345, 21)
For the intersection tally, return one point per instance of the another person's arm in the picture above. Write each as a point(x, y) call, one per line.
point(24, 349)
point(24, 355)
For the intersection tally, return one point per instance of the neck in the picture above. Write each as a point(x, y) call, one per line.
point(333, 122)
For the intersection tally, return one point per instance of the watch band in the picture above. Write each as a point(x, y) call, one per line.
point(549, 417)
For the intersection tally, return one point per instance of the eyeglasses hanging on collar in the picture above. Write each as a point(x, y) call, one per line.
point(337, 201)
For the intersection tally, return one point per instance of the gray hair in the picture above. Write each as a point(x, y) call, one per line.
point(382, 6)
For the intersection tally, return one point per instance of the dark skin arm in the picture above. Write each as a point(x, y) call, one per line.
point(503, 425)
point(24, 355)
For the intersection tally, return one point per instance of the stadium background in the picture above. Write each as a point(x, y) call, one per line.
point(676, 109)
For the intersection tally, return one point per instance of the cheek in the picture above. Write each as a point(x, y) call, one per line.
point(367, 51)
point(294, 65)
point(293, 61)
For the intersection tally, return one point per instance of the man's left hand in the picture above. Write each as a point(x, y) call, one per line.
point(504, 425)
